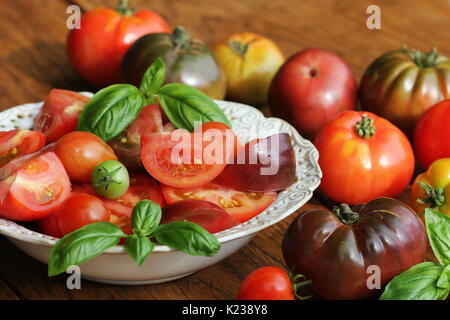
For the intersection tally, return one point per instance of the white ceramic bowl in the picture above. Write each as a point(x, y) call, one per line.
point(164, 264)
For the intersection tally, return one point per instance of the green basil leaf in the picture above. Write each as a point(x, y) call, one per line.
point(438, 229)
point(417, 283)
point(139, 248)
point(146, 217)
point(184, 105)
point(83, 245)
point(444, 280)
point(153, 79)
point(111, 110)
point(187, 237)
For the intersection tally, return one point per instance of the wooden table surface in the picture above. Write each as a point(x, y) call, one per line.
point(33, 60)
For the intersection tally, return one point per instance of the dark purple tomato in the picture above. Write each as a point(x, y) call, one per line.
point(206, 214)
point(263, 165)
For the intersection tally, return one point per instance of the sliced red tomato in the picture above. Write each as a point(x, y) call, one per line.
point(33, 187)
point(59, 114)
point(182, 159)
point(240, 204)
point(141, 187)
point(16, 143)
point(207, 215)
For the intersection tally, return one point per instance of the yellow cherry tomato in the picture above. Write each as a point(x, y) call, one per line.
point(249, 62)
point(431, 189)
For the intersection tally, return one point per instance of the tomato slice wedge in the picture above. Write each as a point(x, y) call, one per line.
point(16, 143)
point(32, 188)
point(240, 204)
point(182, 159)
point(59, 114)
point(206, 214)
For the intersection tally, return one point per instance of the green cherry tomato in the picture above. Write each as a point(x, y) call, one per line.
point(110, 179)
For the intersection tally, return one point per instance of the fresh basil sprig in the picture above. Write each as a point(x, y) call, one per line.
point(114, 108)
point(426, 280)
point(91, 240)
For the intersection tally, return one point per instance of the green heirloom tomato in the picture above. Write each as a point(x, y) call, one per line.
point(110, 179)
point(187, 61)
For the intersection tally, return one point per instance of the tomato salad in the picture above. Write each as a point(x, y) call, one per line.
point(138, 166)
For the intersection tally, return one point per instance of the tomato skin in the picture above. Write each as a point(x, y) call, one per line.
point(357, 170)
point(248, 71)
point(59, 114)
point(79, 210)
point(34, 187)
point(96, 49)
point(432, 134)
point(386, 233)
point(206, 214)
point(127, 146)
point(81, 152)
point(18, 142)
point(242, 206)
point(437, 177)
point(157, 149)
point(397, 88)
point(324, 86)
point(192, 64)
point(266, 283)
point(49, 226)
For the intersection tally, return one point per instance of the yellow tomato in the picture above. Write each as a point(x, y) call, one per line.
point(249, 62)
point(432, 189)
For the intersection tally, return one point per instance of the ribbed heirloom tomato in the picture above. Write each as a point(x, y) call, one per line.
point(362, 157)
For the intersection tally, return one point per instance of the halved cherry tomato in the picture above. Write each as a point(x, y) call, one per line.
point(206, 214)
point(32, 187)
point(240, 204)
point(16, 143)
point(182, 159)
point(127, 146)
point(78, 210)
point(59, 114)
point(141, 187)
point(80, 152)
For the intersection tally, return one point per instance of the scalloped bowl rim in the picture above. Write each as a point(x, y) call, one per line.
point(11, 229)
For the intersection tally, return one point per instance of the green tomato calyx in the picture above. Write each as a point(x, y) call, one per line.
point(107, 177)
point(124, 10)
point(365, 128)
point(239, 47)
point(344, 213)
point(433, 197)
point(424, 60)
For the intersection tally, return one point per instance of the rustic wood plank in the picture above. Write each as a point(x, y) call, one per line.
point(33, 61)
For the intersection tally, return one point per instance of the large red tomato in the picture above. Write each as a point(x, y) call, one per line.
point(96, 49)
point(432, 134)
point(362, 157)
point(310, 89)
point(340, 250)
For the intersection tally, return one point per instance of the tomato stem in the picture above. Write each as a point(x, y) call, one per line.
point(239, 47)
point(123, 8)
point(344, 213)
point(365, 128)
point(424, 60)
point(297, 285)
point(434, 197)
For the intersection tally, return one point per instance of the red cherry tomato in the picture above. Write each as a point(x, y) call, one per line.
point(241, 205)
point(49, 226)
point(32, 187)
point(81, 152)
point(96, 49)
point(16, 143)
point(267, 283)
point(79, 210)
point(207, 215)
point(59, 114)
point(362, 157)
point(164, 154)
point(310, 89)
point(432, 134)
